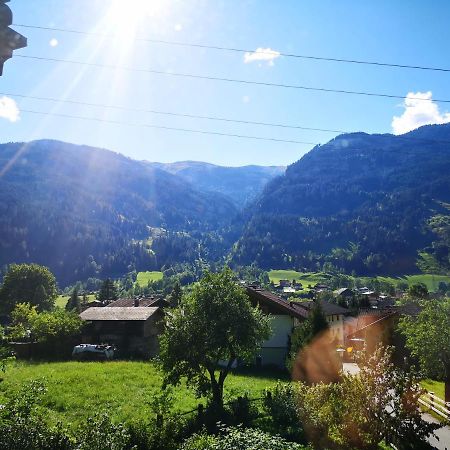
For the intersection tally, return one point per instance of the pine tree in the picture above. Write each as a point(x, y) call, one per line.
point(175, 295)
point(74, 303)
point(108, 291)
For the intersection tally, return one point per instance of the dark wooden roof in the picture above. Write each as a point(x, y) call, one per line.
point(143, 302)
point(328, 308)
point(262, 297)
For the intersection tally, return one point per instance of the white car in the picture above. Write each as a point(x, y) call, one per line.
point(92, 351)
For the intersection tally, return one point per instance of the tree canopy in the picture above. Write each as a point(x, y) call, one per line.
point(214, 325)
point(428, 338)
point(28, 283)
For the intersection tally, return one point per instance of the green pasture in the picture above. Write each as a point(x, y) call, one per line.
point(76, 390)
point(143, 278)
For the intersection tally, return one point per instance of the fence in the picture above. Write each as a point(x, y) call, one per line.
point(436, 404)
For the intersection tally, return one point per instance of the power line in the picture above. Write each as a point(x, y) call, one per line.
point(194, 116)
point(240, 50)
point(229, 80)
point(168, 113)
point(162, 127)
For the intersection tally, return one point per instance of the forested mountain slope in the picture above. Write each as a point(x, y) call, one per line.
point(241, 184)
point(367, 203)
point(84, 211)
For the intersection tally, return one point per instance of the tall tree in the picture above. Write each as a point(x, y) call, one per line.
point(74, 302)
point(418, 291)
point(304, 334)
point(28, 283)
point(215, 323)
point(175, 295)
point(428, 338)
point(108, 291)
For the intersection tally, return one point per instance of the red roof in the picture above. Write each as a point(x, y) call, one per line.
point(267, 298)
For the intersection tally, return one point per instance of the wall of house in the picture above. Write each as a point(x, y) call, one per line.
point(336, 323)
point(274, 351)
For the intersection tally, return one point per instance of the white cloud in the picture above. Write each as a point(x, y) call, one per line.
point(9, 109)
point(418, 112)
point(262, 54)
point(53, 42)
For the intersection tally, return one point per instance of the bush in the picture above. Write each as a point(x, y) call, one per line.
point(239, 438)
point(281, 405)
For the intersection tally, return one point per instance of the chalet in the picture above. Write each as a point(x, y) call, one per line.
point(284, 283)
point(284, 318)
point(344, 293)
point(335, 315)
point(133, 330)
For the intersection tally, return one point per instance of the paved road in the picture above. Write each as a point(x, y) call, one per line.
point(443, 433)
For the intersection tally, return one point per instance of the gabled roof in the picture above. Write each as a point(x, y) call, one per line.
point(328, 308)
point(143, 302)
point(342, 290)
point(119, 313)
point(269, 299)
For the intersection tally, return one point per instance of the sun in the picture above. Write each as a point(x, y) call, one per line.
point(126, 17)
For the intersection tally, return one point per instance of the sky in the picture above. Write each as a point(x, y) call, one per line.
point(411, 32)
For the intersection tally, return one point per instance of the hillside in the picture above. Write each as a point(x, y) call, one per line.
point(367, 203)
point(87, 212)
point(240, 184)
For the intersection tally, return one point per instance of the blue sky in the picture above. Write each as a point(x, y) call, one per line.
point(405, 32)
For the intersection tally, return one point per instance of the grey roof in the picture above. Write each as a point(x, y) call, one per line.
point(141, 313)
point(147, 302)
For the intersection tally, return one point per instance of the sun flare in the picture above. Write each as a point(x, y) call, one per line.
point(126, 17)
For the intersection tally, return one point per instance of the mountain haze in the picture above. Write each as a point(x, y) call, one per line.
point(241, 184)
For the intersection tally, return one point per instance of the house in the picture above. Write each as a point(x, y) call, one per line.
point(284, 283)
point(284, 318)
point(344, 293)
point(335, 315)
point(133, 330)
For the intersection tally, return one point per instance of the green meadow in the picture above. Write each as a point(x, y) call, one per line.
point(75, 390)
point(143, 278)
point(62, 300)
point(312, 278)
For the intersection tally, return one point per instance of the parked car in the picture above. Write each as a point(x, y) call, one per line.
point(93, 352)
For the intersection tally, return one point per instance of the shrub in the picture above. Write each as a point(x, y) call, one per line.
point(239, 438)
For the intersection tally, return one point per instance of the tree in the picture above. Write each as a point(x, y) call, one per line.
point(28, 283)
point(215, 323)
point(380, 404)
point(314, 325)
point(108, 291)
point(418, 291)
point(428, 339)
point(74, 302)
point(175, 295)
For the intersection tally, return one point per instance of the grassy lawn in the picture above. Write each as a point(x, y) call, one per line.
point(143, 278)
point(434, 386)
point(61, 301)
point(307, 278)
point(431, 281)
point(77, 389)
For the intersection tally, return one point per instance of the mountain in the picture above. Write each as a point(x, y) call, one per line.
point(85, 211)
point(241, 184)
point(363, 203)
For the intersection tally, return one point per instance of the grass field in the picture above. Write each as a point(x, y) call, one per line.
point(78, 389)
point(143, 278)
point(307, 278)
point(431, 281)
point(437, 387)
point(61, 301)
